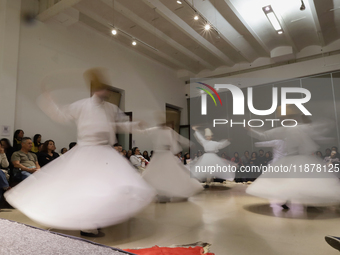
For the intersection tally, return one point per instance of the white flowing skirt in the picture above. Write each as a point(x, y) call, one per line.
point(308, 188)
point(202, 168)
point(169, 177)
point(87, 188)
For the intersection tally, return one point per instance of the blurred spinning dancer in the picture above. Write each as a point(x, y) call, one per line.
point(91, 186)
point(200, 168)
point(169, 177)
point(300, 185)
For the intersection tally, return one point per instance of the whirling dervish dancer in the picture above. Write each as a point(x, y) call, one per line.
point(298, 185)
point(165, 173)
point(91, 186)
point(202, 168)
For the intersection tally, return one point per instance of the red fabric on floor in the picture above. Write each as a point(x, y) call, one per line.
point(169, 251)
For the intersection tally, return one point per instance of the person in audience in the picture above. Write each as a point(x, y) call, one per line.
point(71, 145)
point(199, 153)
point(254, 159)
point(129, 154)
point(245, 158)
point(319, 154)
point(327, 152)
point(24, 159)
point(36, 143)
point(47, 153)
point(4, 186)
point(332, 159)
point(261, 157)
point(124, 152)
point(6, 144)
point(4, 164)
point(118, 147)
point(146, 155)
point(151, 154)
point(334, 148)
point(17, 138)
point(138, 160)
point(268, 157)
point(237, 160)
point(63, 150)
point(187, 158)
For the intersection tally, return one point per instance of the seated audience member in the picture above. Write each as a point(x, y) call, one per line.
point(267, 158)
point(4, 186)
point(36, 143)
point(319, 154)
point(146, 155)
point(261, 157)
point(63, 151)
point(337, 155)
point(6, 145)
point(237, 160)
point(129, 154)
point(71, 145)
point(199, 153)
point(47, 153)
point(151, 154)
point(180, 158)
point(118, 147)
point(327, 152)
point(332, 159)
point(24, 159)
point(254, 160)
point(124, 153)
point(187, 159)
point(17, 137)
point(245, 158)
point(4, 164)
point(137, 159)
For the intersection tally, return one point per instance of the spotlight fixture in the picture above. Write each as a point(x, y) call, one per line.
point(207, 27)
point(134, 43)
point(303, 7)
point(196, 17)
point(179, 2)
point(273, 19)
point(114, 31)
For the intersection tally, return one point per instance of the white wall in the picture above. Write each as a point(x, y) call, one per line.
point(47, 48)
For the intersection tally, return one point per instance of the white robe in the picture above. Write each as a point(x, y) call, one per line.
point(308, 188)
point(90, 186)
point(199, 169)
point(164, 172)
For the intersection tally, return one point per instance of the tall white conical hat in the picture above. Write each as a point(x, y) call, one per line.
point(208, 132)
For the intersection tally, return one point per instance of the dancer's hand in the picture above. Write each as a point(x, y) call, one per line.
point(194, 128)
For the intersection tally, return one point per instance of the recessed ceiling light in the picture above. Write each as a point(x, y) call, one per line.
point(280, 32)
point(207, 27)
point(267, 8)
point(114, 31)
point(134, 43)
point(179, 2)
point(196, 17)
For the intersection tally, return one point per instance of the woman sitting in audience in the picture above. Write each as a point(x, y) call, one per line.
point(4, 164)
point(36, 143)
point(47, 153)
point(319, 154)
point(63, 151)
point(267, 158)
point(138, 160)
point(146, 155)
point(17, 137)
point(6, 145)
point(129, 154)
point(187, 158)
point(236, 159)
point(124, 152)
point(246, 158)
